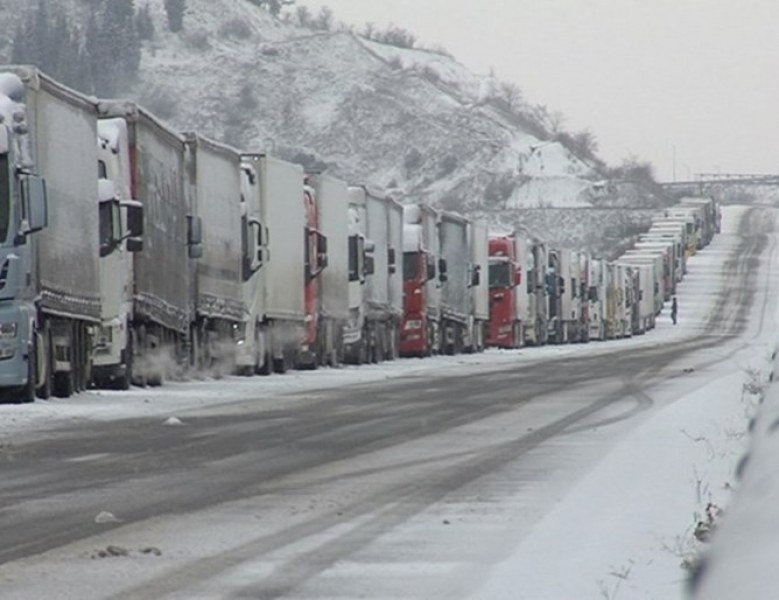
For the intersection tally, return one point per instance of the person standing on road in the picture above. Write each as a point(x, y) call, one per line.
point(674, 309)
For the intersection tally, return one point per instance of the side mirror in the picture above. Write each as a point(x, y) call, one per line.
point(518, 277)
point(321, 243)
point(369, 265)
point(430, 264)
point(476, 276)
point(134, 218)
point(195, 236)
point(194, 230)
point(34, 201)
point(134, 244)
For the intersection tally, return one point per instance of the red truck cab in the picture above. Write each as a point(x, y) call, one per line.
point(505, 277)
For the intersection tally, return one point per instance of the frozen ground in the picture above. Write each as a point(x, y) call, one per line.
point(624, 530)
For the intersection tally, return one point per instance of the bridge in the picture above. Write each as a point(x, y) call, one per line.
point(705, 180)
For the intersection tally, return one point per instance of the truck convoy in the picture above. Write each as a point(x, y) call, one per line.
point(131, 253)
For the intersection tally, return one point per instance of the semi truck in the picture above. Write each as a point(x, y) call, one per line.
point(456, 309)
point(49, 236)
point(507, 289)
point(120, 220)
point(376, 301)
point(478, 240)
point(251, 353)
point(536, 333)
point(164, 274)
point(332, 203)
point(214, 175)
point(282, 325)
point(420, 327)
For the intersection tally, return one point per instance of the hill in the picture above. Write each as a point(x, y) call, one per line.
point(412, 122)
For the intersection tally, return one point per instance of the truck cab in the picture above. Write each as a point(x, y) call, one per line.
point(505, 284)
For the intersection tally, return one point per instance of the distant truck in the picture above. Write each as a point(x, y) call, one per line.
point(281, 332)
point(456, 310)
point(214, 172)
point(120, 218)
point(161, 317)
point(420, 328)
point(507, 287)
point(376, 304)
point(536, 328)
point(49, 236)
point(478, 240)
point(332, 203)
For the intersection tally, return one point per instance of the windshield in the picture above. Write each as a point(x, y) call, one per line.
point(5, 197)
point(500, 275)
point(410, 266)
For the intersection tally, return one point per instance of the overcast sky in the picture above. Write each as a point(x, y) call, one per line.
point(689, 85)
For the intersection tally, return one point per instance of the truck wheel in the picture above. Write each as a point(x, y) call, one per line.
point(63, 384)
point(123, 382)
point(27, 394)
point(44, 391)
point(266, 368)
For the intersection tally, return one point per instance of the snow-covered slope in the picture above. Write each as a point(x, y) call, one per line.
point(413, 121)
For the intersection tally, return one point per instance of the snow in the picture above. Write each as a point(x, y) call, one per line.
point(597, 538)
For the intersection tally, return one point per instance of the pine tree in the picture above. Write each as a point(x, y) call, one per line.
point(144, 23)
point(175, 12)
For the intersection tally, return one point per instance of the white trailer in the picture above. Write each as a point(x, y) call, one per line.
point(570, 313)
point(252, 354)
point(526, 289)
point(455, 292)
point(282, 326)
point(332, 203)
point(538, 305)
point(49, 273)
point(215, 173)
point(597, 298)
point(164, 273)
point(120, 218)
point(656, 260)
point(478, 238)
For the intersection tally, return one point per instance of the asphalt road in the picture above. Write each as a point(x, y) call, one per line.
point(336, 473)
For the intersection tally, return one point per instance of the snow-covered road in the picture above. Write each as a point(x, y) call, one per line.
point(533, 488)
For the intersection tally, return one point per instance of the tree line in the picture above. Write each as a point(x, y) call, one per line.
point(101, 56)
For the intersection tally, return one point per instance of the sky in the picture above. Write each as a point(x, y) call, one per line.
point(688, 446)
point(688, 85)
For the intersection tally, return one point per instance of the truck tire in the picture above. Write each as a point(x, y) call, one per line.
point(27, 393)
point(63, 384)
point(44, 391)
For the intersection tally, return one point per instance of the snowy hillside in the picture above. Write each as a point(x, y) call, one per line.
point(413, 122)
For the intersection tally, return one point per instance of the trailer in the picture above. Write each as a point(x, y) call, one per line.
point(120, 220)
point(214, 174)
point(282, 211)
point(332, 204)
point(49, 236)
point(162, 318)
point(251, 353)
point(456, 319)
point(536, 328)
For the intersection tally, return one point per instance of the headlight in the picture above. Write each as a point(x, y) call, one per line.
point(8, 330)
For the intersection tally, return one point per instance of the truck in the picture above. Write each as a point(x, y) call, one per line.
point(251, 352)
point(536, 333)
point(120, 218)
point(584, 297)
point(162, 316)
point(596, 296)
point(555, 289)
point(570, 301)
point(456, 313)
point(420, 326)
point(49, 236)
point(282, 325)
point(377, 306)
point(507, 287)
point(214, 175)
point(332, 203)
point(478, 239)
